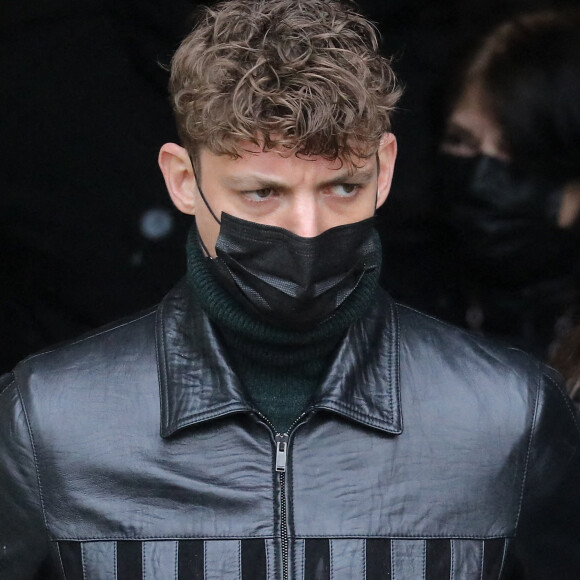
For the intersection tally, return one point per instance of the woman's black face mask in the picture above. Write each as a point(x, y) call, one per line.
point(506, 224)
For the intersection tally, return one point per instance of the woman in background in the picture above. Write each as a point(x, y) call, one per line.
point(510, 182)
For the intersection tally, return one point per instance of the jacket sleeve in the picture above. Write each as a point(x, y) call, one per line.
point(547, 542)
point(23, 534)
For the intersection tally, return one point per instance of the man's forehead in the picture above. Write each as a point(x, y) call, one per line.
point(253, 155)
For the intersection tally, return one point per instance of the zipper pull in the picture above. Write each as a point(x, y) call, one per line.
point(281, 451)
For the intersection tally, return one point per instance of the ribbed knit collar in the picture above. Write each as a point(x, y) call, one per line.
point(245, 332)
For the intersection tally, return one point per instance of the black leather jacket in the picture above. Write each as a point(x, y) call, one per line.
point(428, 453)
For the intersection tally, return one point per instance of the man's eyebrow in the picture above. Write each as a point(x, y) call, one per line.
point(362, 177)
point(252, 182)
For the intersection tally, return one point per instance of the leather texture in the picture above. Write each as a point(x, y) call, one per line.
point(427, 453)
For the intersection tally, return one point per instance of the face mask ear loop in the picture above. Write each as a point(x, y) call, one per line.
point(378, 173)
point(201, 193)
point(203, 246)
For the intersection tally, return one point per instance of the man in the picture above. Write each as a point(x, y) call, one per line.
point(278, 416)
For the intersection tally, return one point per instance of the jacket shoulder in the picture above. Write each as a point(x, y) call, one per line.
point(484, 381)
point(123, 344)
point(464, 349)
point(85, 386)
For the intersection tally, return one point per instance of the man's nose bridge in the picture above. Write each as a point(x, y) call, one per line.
point(307, 215)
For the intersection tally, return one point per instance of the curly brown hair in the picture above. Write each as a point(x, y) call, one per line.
point(305, 75)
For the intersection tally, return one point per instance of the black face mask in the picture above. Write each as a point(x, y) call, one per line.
point(288, 280)
point(505, 222)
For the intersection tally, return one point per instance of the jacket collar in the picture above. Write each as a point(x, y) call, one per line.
point(197, 383)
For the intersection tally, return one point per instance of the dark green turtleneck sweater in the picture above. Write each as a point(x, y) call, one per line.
point(279, 368)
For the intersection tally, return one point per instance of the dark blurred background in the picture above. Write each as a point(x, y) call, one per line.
point(87, 231)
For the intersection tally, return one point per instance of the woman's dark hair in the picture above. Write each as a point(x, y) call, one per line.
point(566, 359)
point(529, 71)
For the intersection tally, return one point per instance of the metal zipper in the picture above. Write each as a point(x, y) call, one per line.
point(281, 460)
point(282, 441)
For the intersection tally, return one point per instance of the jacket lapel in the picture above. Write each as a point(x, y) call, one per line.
point(197, 383)
point(363, 383)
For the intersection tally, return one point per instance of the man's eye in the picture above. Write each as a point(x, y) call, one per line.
point(345, 189)
point(259, 194)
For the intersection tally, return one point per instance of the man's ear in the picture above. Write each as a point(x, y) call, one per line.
point(179, 178)
point(387, 153)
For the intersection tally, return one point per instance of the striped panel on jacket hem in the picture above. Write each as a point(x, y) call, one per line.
point(311, 559)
